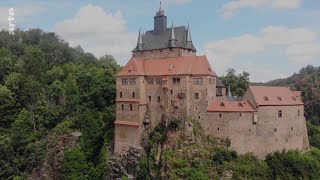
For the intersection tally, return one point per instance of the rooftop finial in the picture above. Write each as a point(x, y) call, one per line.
point(161, 11)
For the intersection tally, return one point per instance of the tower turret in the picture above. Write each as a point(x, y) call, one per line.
point(140, 41)
point(172, 40)
point(160, 21)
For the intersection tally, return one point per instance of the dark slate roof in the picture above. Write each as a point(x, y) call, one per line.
point(219, 83)
point(153, 40)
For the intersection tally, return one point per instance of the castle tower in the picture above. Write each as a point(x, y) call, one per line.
point(164, 42)
point(160, 21)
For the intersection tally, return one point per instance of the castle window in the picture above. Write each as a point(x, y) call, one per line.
point(218, 129)
point(291, 128)
point(275, 130)
point(133, 95)
point(149, 98)
point(197, 81)
point(130, 106)
point(298, 112)
point(171, 91)
point(196, 108)
point(158, 81)
point(199, 117)
point(240, 114)
point(280, 114)
point(150, 81)
point(266, 98)
point(220, 115)
point(122, 107)
point(120, 94)
point(124, 81)
point(176, 80)
point(279, 98)
point(196, 95)
point(158, 98)
point(161, 50)
point(132, 81)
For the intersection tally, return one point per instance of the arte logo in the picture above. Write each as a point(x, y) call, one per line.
point(11, 21)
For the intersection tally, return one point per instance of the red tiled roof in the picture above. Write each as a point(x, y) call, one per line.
point(230, 106)
point(191, 65)
point(297, 93)
point(127, 123)
point(274, 96)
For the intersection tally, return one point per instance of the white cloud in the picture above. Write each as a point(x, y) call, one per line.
point(300, 46)
point(261, 72)
point(99, 32)
point(20, 14)
point(303, 53)
point(286, 4)
point(229, 9)
point(282, 35)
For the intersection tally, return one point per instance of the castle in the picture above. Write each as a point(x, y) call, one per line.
point(165, 76)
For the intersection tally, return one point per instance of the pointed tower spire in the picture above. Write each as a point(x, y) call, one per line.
point(172, 40)
point(229, 91)
point(189, 39)
point(140, 42)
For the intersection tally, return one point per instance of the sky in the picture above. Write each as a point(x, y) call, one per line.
point(268, 38)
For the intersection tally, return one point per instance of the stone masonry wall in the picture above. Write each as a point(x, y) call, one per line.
point(269, 134)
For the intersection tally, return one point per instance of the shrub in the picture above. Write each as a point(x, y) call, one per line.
point(315, 140)
point(222, 154)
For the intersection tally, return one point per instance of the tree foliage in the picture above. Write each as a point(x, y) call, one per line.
point(46, 86)
point(237, 82)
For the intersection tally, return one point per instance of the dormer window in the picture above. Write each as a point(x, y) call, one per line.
point(240, 104)
point(222, 104)
point(279, 98)
point(265, 98)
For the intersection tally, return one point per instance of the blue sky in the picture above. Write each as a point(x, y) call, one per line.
point(268, 38)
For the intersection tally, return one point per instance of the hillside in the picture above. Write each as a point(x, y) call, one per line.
point(57, 112)
point(48, 93)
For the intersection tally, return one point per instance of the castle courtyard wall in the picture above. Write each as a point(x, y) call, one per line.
point(269, 134)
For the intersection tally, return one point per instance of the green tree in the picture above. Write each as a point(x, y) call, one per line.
point(75, 165)
point(6, 107)
point(238, 83)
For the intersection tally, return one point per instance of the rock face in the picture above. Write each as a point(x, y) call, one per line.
point(124, 165)
point(55, 150)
